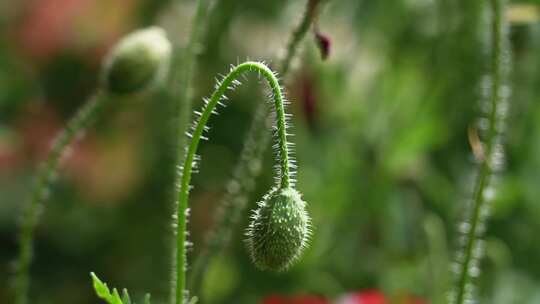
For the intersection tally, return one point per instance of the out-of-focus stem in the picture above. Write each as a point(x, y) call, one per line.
point(487, 166)
point(44, 179)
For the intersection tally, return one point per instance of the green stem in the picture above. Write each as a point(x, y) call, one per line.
point(184, 63)
point(244, 174)
point(311, 13)
point(282, 153)
point(180, 84)
point(486, 169)
point(188, 62)
point(47, 174)
point(230, 208)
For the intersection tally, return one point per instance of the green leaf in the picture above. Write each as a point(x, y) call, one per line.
point(125, 297)
point(103, 291)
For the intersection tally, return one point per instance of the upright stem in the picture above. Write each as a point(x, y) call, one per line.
point(47, 174)
point(282, 154)
point(188, 63)
point(184, 63)
point(486, 169)
point(180, 82)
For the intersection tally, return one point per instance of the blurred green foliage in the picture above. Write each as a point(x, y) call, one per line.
point(381, 132)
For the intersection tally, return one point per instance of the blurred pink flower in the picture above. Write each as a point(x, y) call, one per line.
point(48, 26)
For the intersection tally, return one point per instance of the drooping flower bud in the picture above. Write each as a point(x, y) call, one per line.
point(137, 62)
point(324, 43)
point(279, 230)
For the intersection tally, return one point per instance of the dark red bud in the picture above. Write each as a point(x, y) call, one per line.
point(324, 44)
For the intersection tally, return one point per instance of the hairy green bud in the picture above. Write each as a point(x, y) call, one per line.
point(279, 229)
point(137, 62)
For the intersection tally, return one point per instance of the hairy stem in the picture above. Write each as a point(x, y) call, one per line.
point(231, 207)
point(188, 62)
point(282, 153)
point(180, 82)
point(487, 166)
point(311, 13)
point(183, 65)
point(39, 194)
point(248, 167)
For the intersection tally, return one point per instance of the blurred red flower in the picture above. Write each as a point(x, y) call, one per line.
point(369, 296)
point(373, 296)
point(277, 299)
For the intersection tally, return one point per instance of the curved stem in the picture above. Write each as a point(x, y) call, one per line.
point(230, 208)
point(39, 195)
point(282, 153)
point(244, 174)
point(486, 169)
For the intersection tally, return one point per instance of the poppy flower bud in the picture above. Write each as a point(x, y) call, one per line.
point(324, 43)
point(137, 62)
point(279, 230)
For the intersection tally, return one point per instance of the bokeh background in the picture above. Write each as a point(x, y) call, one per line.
point(381, 132)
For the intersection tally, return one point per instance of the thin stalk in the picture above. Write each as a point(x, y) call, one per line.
point(183, 65)
point(310, 15)
point(228, 82)
point(187, 63)
point(248, 167)
point(180, 83)
point(230, 208)
point(487, 165)
point(46, 176)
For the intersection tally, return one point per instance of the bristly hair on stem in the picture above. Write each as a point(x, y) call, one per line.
point(183, 66)
point(285, 168)
point(311, 13)
point(496, 93)
point(40, 192)
point(229, 210)
point(249, 165)
point(136, 64)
